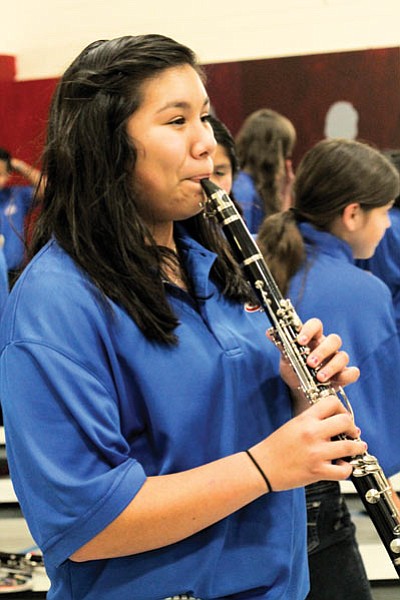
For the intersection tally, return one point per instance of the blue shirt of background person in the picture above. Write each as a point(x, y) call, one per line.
point(4, 289)
point(249, 199)
point(15, 203)
point(385, 263)
point(264, 147)
point(330, 276)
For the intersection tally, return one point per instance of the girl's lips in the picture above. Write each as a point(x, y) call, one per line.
point(198, 178)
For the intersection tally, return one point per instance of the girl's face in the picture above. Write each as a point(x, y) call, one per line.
point(174, 143)
point(372, 226)
point(222, 173)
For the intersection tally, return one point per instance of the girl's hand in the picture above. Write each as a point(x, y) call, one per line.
point(302, 451)
point(325, 356)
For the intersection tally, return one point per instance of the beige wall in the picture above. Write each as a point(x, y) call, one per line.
point(47, 34)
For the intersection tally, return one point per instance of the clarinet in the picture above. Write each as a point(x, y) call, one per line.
point(367, 476)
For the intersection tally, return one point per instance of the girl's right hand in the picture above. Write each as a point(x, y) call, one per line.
point(302, 450)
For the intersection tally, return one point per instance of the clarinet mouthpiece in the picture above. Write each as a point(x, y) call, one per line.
point(209, 187)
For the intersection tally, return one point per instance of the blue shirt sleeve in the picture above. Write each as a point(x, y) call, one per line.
point(96, 479)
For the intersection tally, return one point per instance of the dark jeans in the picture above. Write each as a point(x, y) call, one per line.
point(336, 568)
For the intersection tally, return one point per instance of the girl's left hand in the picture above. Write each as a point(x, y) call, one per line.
point(325, 356)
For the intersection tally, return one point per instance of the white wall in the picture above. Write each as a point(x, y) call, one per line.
point(47, 34)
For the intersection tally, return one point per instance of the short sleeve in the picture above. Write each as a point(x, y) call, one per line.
point(74, 474)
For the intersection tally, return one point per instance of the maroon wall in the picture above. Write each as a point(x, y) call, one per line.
point(304, 87)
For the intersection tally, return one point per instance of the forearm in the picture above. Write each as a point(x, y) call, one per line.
point(170, 508)
point(31, 174)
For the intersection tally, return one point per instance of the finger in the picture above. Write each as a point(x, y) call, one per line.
point(331, 366)
point(335, 415)
point(270, 334)
point(310, 330)
point(325, 350)
point(345, 377)
point(342, 449)
point(340, 424)
point(337, 471)
point(327, 407)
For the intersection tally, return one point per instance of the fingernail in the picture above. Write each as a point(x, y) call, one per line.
point(322, 375)
point(302, 339)
point(313, 360)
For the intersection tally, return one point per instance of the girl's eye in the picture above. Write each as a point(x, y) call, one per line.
point(177, 121)
point(205, 118)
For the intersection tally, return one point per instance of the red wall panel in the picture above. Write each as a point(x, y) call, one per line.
point(7, 67)
point(24, 108)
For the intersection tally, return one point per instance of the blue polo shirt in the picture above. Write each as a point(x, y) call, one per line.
point(15, 203)
point(357, 306)
point(91, 408)
point(385, 263)
point(249, 199)
point(3, 280)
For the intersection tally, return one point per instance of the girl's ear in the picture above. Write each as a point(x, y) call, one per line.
point(352, 217)
point(286, 185)
point(290, 176)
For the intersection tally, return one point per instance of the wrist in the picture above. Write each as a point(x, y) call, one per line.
point(260, 470)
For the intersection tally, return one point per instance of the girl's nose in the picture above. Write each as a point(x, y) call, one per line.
point(204, 143)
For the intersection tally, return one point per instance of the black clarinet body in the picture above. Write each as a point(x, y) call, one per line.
point(368, 477)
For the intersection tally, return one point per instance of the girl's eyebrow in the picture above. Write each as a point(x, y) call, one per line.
point(181, 104)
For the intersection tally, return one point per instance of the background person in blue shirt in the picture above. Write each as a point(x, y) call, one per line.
point(344, 191)
point(225, 162)
point(264, 146)
point(385, 263)
point(15, 203)
point(4, 288)
point(135, 383)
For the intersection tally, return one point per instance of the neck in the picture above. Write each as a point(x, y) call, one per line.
point(164, 236)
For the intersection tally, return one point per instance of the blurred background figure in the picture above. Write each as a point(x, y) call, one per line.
point(15, 204)
point(226, 164)
point(343, 194)
point(264, 147)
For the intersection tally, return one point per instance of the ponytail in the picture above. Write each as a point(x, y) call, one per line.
point(282, 246)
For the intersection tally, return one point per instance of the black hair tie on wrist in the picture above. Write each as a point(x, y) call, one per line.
point(269, 486)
